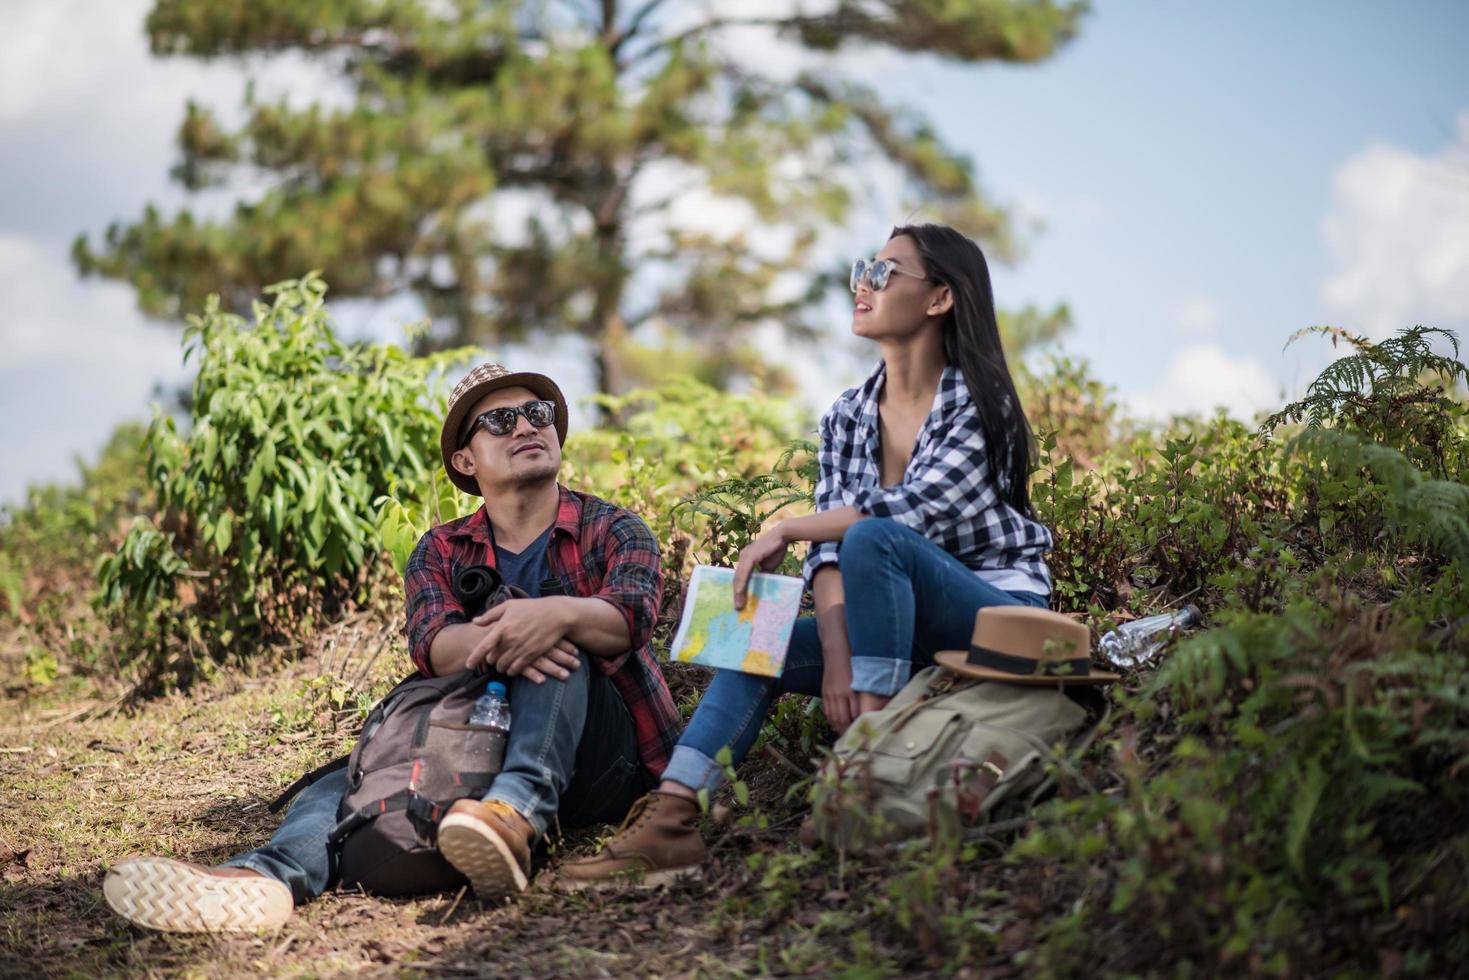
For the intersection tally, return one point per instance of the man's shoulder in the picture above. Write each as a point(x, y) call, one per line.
point(460, 525)
point(597, 512)
point(440, 534)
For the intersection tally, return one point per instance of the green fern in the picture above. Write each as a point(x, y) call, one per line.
point(1423, 510)
point(1393, 367)
point(1399, 392)
point(733, 511)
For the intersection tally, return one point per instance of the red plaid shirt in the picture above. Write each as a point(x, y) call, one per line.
point(596, 549)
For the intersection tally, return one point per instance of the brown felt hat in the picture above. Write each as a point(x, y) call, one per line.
point(1025, 645)
point(467, 393)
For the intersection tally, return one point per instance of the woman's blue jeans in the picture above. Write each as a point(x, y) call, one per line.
point(907, 599)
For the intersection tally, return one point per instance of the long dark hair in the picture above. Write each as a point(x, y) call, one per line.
point(972, 343)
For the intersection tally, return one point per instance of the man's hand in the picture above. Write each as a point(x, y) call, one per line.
point(765, 553)
point(526, 636)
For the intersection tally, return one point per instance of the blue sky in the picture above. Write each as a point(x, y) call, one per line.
point(1211, 177)
point(1185, 156)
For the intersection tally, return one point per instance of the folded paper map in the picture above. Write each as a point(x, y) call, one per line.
point(713, 633)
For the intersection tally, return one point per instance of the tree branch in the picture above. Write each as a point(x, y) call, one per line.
point(716, 24)
point(635, 24)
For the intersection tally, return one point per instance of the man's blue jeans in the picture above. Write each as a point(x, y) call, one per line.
point(549, 769)
point(907, 599)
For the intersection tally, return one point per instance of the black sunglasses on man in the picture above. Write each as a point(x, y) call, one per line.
point(501, 421)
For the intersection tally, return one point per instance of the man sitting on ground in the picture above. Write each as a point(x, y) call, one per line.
point(587, 738)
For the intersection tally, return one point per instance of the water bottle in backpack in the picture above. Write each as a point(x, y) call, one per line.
point(492, 711)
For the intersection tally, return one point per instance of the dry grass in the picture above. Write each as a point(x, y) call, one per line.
point(89, 780)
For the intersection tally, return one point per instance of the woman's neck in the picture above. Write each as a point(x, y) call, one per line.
point(914, 366)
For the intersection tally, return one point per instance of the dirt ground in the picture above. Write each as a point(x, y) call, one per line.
point(88, 780)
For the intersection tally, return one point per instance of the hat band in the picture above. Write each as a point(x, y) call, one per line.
point(995, 660)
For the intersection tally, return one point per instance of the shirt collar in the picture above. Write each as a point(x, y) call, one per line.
point(948, 398)
point(568, 520)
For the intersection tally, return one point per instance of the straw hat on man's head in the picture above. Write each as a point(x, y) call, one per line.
point(1025, 645)
point(481, 381)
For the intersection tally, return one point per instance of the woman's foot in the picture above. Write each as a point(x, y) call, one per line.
point(180, 896)
point(658, 842)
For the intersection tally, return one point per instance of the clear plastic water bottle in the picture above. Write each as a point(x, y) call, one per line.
point(492, 711)
point(1135, 643)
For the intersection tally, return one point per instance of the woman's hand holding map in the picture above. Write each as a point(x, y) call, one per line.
point(765, 553)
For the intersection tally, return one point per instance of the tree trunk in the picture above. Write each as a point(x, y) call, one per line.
point(611, 375)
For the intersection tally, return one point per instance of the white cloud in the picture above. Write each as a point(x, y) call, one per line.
point(77, 359)
point(1195, 315)
point(1204, 377)
point(88, 116)
point(1398, 239)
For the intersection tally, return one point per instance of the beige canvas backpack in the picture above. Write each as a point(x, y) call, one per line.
point(948, 753)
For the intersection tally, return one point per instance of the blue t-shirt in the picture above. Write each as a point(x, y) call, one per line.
point(527, 569)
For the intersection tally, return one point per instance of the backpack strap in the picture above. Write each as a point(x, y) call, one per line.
point(366, 814)
point(943, 682)
point(306, 781)
point(423, 811)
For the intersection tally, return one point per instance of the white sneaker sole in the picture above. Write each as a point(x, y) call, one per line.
point(168, 895)
point(478, 852)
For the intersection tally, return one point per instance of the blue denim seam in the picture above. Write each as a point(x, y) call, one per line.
point(714, 778)
point(516, 796)
point(754, 710)
point(527, 800)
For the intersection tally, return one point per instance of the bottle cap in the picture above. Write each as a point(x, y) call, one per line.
point(495, 687)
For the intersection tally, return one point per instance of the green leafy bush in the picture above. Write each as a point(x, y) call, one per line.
point(269, 504)
point(1284, 794)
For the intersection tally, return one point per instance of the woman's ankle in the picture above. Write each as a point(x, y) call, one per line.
point(672, 788)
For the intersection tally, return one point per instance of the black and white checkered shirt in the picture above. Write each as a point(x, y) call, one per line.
point(947, 494)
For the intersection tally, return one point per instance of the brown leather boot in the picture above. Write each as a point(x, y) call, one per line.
point(657, 843)
point(490, 845)
point(180, 896)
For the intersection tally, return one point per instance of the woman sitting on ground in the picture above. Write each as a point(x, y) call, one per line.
point(923, 517)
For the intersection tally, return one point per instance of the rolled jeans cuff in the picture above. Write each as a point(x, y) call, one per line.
point(883, 676)
point(692, 768)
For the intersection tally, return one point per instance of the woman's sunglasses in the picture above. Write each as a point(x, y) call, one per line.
point(877, 272)
point(501, 421)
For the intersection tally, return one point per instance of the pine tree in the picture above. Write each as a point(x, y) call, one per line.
point(596, 116)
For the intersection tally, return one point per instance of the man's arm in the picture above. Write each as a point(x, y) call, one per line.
point(517, 629)
point(609, 624)
point(431, 607)
point(440, 641)
point(464, 646)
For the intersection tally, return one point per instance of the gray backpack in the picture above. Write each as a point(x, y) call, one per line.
point(948, 753)
point(416, 756)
